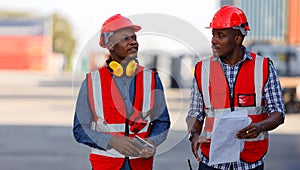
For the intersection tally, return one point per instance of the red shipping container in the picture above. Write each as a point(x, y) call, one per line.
point(294, 23)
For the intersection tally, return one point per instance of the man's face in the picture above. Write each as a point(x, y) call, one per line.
point(123, 45)
point(223, 42)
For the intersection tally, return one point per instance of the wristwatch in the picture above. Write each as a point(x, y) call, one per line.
point(191, 135)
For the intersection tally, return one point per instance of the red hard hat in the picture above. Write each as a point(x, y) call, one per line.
point(228, 17)
point(116, 23)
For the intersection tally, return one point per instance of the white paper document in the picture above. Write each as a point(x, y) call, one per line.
point(225, 147)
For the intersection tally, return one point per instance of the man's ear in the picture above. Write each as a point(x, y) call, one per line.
point(239, 39)
point(110, 46)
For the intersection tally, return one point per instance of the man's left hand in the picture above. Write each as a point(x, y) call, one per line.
point(251, 131)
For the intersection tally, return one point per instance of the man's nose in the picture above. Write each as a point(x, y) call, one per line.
point(213, 40)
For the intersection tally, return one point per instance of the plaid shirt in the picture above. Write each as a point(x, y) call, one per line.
point(272, 97)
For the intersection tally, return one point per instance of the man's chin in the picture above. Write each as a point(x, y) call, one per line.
point(132, 56)
point(216, 54)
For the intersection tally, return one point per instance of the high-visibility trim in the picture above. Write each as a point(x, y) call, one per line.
point(110, 153)
point(101, 127)
point(90, 93)
point(147, 91)
point(97, 91)
point(258, 76)
point(117, 128)
point(250, 110)
point(205, 82)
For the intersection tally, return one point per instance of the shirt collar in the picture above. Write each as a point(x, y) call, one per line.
point(247, 54)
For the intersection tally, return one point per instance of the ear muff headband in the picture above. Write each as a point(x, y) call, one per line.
point(118, 71)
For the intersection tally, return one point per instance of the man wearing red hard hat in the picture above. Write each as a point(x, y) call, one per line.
point(231, 83)
point(121, 111)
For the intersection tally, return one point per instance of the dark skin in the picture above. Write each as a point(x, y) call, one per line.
point(123, 47)
point(227, 45)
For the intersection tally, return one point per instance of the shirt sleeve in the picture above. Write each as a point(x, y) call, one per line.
point(160, 115)
point(83, 121)
point(272, 92)
point(196, 102)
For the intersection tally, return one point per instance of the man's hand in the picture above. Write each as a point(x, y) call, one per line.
point(254, 129)
point(196, 140)
point(125, 146)
point(251, 131)
point(148, 153)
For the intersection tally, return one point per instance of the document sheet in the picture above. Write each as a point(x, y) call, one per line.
point(225, 147)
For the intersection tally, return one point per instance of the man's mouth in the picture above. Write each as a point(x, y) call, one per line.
point(215, 48)
point(133, 50)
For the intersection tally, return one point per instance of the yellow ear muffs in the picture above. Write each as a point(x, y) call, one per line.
point(131, 67)
point(117, 69)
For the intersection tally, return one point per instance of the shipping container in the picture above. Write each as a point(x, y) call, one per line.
point(24, 52)
point(267, 20)
point(294, 23)
point(25, 43)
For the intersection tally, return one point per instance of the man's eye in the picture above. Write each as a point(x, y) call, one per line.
point(129, 37)
point(220, 35)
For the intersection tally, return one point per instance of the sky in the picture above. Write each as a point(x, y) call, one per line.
point(87, 16)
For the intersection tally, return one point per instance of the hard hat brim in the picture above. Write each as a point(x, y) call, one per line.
point(136, 28)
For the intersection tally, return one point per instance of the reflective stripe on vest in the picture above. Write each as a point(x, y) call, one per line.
point(205, 82)
point(99, 124)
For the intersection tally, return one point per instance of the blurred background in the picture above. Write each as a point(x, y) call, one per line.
point(47, 47)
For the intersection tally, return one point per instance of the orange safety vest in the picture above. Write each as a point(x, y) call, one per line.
point(109, 113)
point(247, 94)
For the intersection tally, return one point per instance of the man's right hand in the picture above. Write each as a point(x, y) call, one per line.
point(124, 145)
point(196, 140)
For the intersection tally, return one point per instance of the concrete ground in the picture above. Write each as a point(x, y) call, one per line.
point(36, 117)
